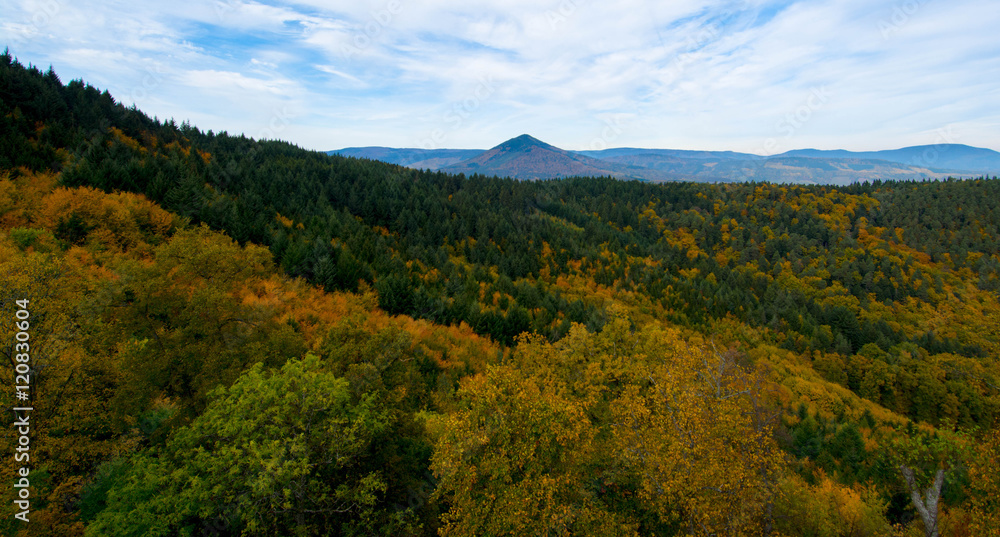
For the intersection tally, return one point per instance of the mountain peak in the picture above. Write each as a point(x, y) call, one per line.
point(527, 157)
point(523, 141)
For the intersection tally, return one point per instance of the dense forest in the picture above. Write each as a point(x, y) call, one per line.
point(232, 336)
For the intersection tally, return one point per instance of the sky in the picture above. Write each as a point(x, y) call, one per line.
point(756, 76)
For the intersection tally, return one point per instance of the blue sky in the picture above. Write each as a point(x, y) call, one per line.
point(758, 76)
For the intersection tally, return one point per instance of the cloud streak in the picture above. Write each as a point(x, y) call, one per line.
point(687, 74)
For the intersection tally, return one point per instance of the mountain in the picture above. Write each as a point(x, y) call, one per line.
point(795, 170)
point(525, 157)
point(948, 156)
point(624, 153)
point(811, 166)
point(418, 159)
point(844, 171)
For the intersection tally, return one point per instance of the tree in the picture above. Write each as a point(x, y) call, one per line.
point(274, 454)
point(829, 509)
point(513, 462)
point(185, 326)
point(635, 422)
point(985, 484)
point(693, 425)
point(928, 459)
point(926, 502)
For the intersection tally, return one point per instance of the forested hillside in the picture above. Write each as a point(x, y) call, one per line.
point(232, 336)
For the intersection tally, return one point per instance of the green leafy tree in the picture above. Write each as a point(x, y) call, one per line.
point(275, 454)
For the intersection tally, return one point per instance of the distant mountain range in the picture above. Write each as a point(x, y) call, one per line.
point(420, 159)
point(525, 157)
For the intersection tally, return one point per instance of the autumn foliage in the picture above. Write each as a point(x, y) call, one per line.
point(240, 337)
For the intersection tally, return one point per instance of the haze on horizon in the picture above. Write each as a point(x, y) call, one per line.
point(755, 76)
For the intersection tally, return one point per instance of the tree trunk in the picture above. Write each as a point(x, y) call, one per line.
point(928, 505)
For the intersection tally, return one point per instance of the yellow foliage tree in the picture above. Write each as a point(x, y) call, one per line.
point(985, 482)
point(829, 509)
point(633, 417)
point(513, 462)
point(693, 425)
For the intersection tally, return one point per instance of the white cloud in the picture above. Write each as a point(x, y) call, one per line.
point(228, 83)
point(720, 74)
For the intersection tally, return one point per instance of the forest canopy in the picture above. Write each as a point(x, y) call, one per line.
point(233, 336)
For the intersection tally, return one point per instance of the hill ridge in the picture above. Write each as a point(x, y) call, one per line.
point(527, 157)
